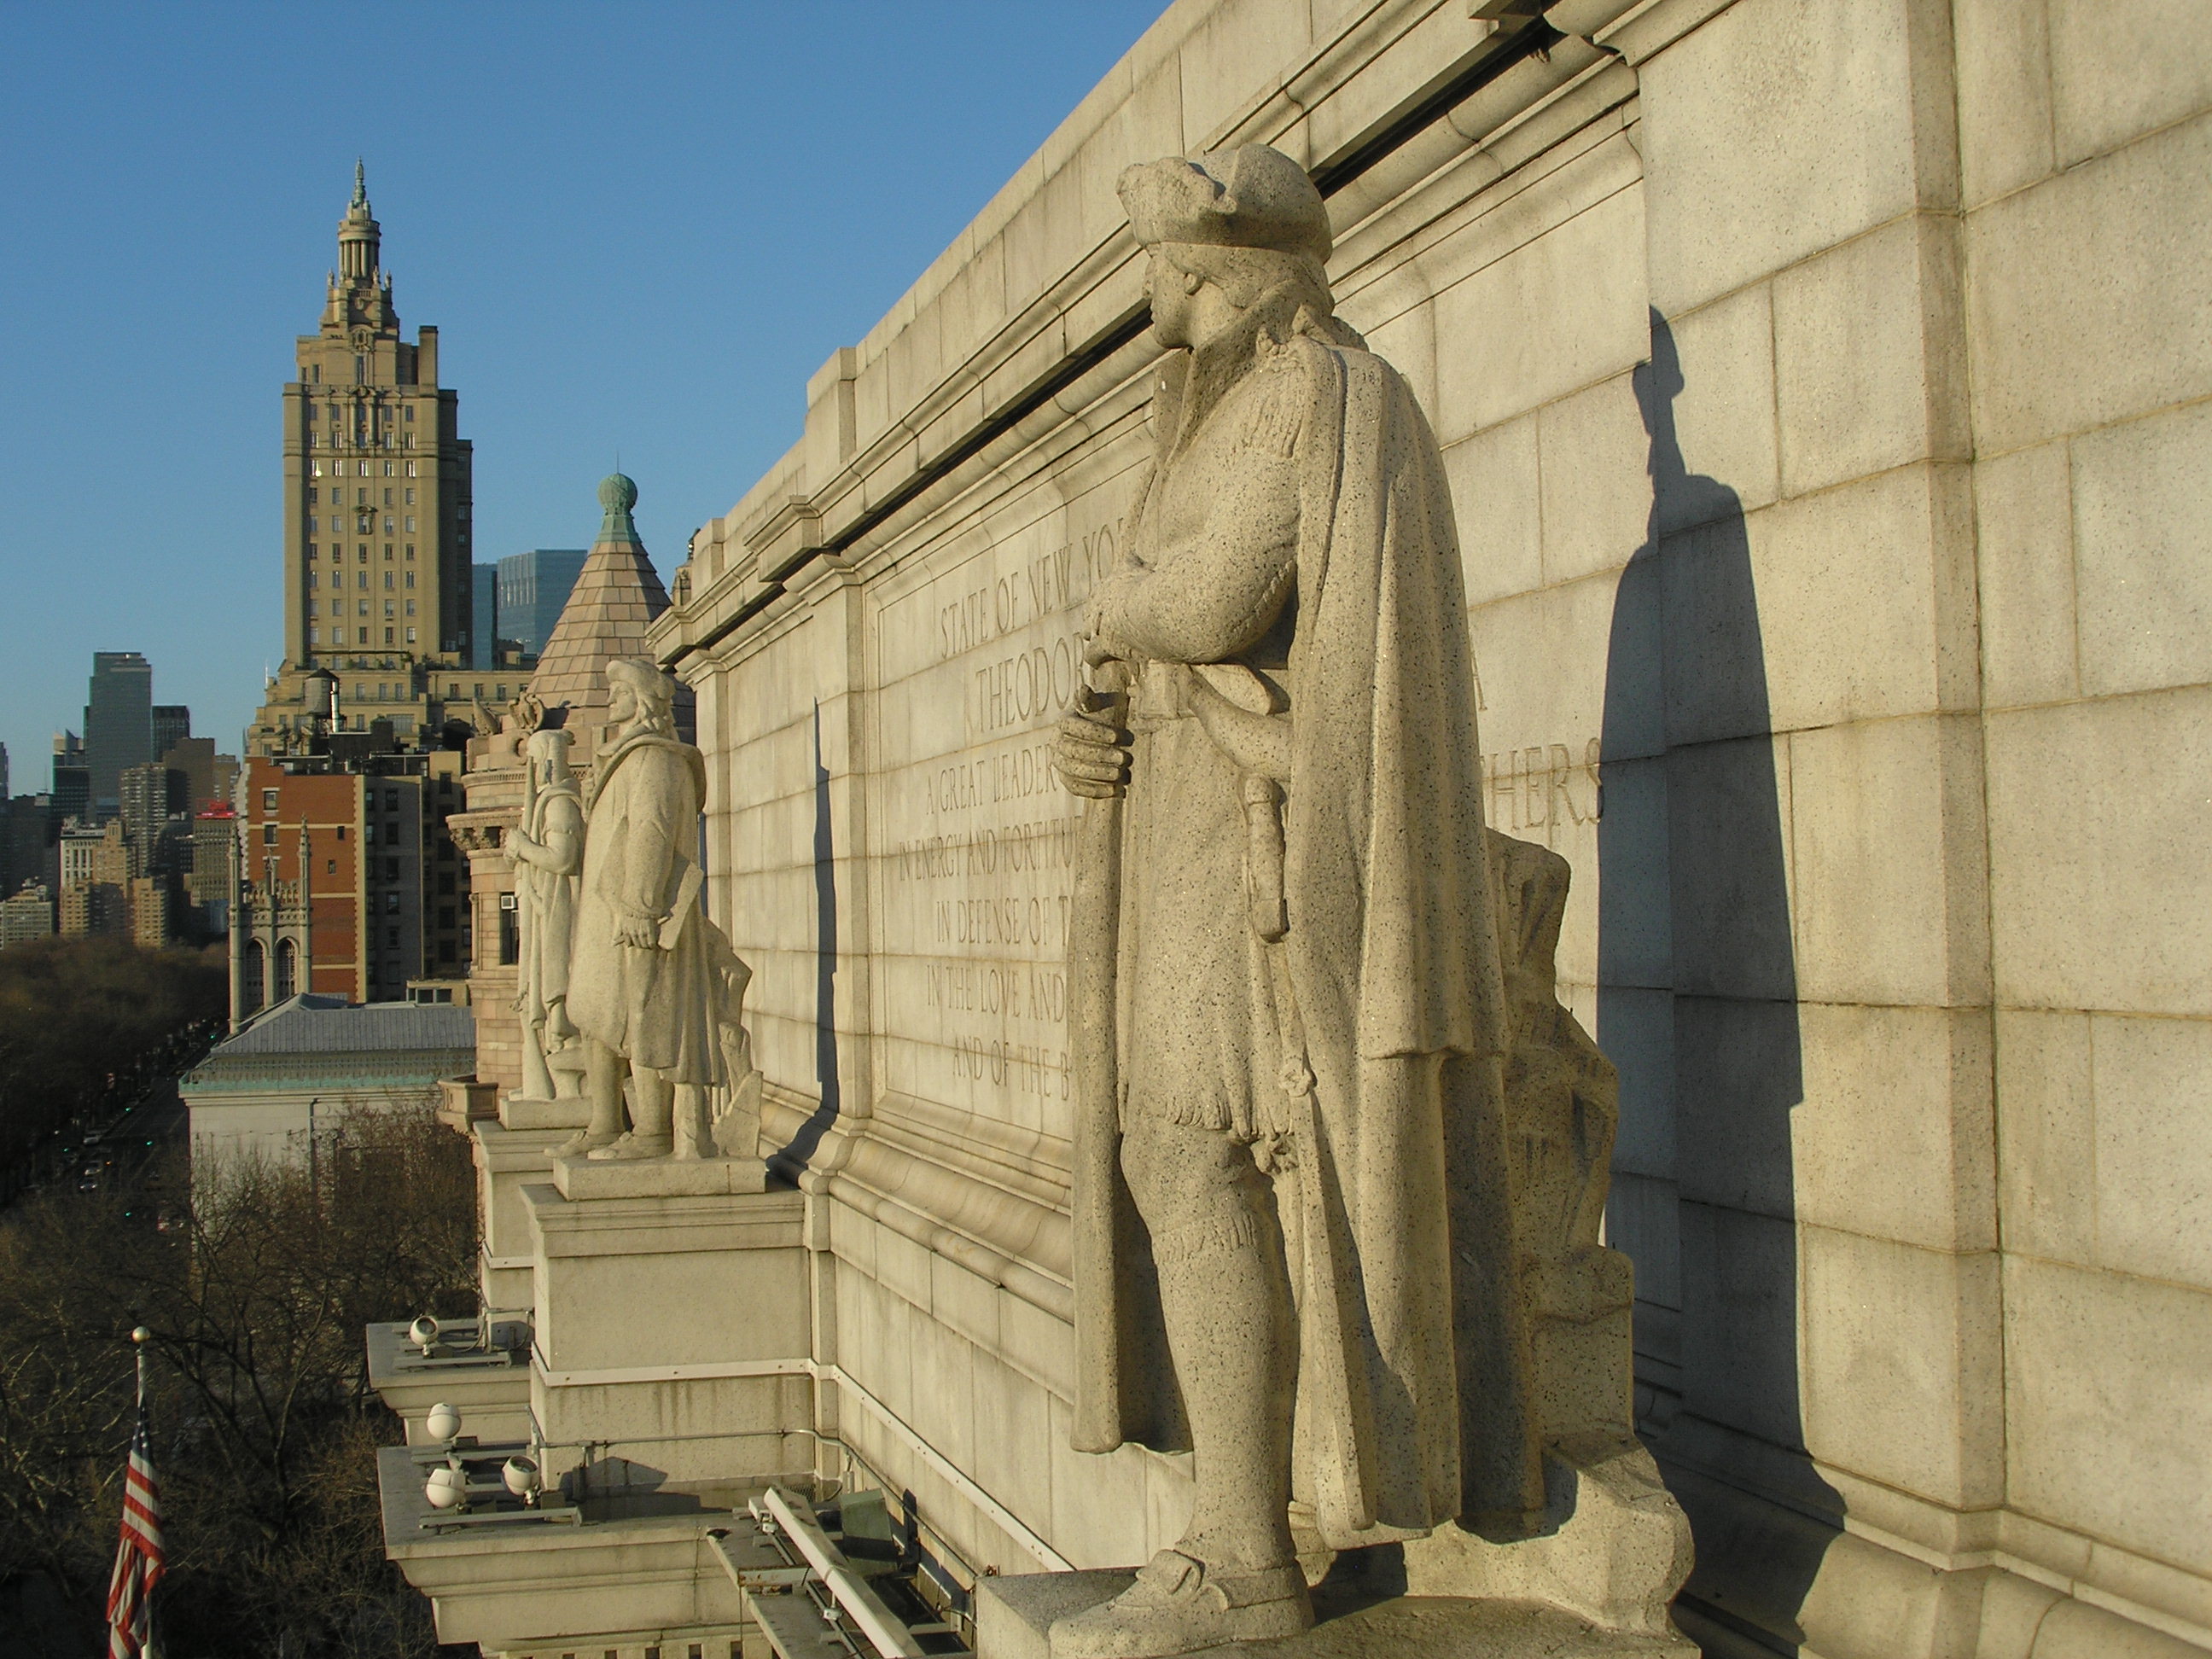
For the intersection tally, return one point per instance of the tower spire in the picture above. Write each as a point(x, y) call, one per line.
point(358, 236)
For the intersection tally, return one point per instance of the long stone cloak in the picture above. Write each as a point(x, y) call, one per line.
point(1414, 1404)
point(655, 1006)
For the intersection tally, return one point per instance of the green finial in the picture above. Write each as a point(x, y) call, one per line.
point(617, 495)
point(360, 185)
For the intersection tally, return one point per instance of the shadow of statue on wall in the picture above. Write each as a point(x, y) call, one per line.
point(794, 1156)
point(1696, 1004)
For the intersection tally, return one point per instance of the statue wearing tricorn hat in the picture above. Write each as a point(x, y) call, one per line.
point(1287, 1023)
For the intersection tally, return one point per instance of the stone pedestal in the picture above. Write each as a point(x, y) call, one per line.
point(583, 1178)
point(466, 1100)
point(1013, 1616)
point(1598, 1580)
point(512, 1151)
point(1614, 1548)
point(672, 1334)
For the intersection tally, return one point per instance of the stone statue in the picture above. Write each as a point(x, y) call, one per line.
point(546, 850)
point(1294, 1249)
point(643, 986)
point(723, 1122)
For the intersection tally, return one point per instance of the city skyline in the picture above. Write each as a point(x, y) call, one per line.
point(642, 290)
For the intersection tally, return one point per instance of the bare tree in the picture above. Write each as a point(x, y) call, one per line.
point(266, 1428)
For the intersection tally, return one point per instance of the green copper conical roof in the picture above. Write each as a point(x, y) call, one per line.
point(617, 594)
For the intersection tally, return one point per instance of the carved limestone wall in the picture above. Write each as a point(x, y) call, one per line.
point(1825, 528)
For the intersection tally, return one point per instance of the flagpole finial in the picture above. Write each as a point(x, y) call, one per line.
point(142, 1336)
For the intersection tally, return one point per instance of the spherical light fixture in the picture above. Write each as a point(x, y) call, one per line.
point(523, 1479)
point(443, 1423)
point(447, 1488)
point(423, 1333)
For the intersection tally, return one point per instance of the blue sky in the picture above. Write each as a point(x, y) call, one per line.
point(638, 228)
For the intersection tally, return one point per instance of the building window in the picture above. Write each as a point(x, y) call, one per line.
point(314, 634)
point(408, 413)
point(387, 607)
point(329, 867)
point(391, 903)
point(268, 835)
point(388, 546)
point(410, 465)
point(387, 579)
point(410, 502)
point(311, 550)
point(410, 549)
point(410, 634)
point(411, 582)
point(410, 608)
point(342, 829)
point(319, 373)
point(360, 368)
point(409, 442)
point(410, 518)
point(388, 639)
point(388, 472)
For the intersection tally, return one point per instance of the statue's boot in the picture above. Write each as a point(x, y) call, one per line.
point(586, 1140)
point(635, 1146)
point(1180, 1604)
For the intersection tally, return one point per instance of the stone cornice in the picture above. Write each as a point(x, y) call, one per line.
point(1393, 73)
point(966, 1203)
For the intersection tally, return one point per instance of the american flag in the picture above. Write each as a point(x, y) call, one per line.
point(138, 1557)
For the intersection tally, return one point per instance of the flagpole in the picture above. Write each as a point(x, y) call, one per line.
point(140, 1336)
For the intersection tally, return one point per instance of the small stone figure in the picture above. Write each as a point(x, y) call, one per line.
point(546, 850)
point(643, 988)
point(1294, 1253)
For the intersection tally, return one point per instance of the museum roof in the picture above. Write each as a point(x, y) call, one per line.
point(329, 1040)
point(322, 1024)
point(617, 594)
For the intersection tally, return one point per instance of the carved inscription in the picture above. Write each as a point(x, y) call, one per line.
point(980, 866)
point(981, 869)
point(1545, 786)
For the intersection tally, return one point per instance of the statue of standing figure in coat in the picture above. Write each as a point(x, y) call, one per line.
point(1294, 1232)
point(546, 850)
point(644, 988)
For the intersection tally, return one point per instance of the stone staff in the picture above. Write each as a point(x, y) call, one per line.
point(1097, 773)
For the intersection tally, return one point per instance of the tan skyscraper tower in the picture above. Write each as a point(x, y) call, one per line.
point(377, 503)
